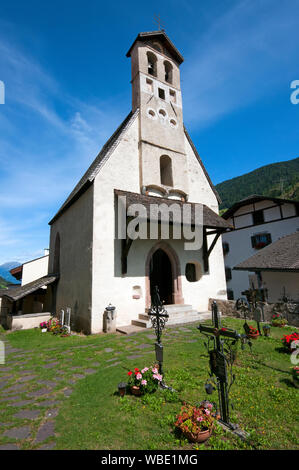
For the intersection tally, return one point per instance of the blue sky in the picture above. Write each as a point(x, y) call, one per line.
point(68, 87)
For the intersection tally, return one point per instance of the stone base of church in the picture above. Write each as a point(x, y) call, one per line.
point(178, 314)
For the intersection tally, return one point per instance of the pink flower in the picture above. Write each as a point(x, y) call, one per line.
point(138, 376)
point(155, 370)
point(144, 370)
point(157, 376)
point(143, 382)
point(207, 411)
point(200, 418)
point(210, 406)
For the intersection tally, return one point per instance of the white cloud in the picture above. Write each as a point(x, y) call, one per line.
point(42, 154)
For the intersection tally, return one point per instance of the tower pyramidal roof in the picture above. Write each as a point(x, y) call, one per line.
point(163, 38)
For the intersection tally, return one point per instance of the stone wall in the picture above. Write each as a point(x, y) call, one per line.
point(227, 308)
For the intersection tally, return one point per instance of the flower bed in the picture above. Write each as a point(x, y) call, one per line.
point(253, 332)
point(145, 380)
point(55, 327)
point(196, 423)
point(278, 320)
point(288, 341)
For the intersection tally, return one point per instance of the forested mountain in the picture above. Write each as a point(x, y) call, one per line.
point(3, 283)
point(275, 180)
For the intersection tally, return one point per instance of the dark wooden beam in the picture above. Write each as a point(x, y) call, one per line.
point(213, 243)
point(125, 248)
point(205, 251)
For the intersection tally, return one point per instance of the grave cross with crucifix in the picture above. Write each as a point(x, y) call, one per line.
point(222, 356)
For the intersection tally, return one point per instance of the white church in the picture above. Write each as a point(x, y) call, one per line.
point(150, 159)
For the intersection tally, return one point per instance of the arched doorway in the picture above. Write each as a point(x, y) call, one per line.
point(168, 277)
point(161, 276)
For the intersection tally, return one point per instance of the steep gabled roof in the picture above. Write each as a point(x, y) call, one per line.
point(162, 37)
point(282, 255)
point(252, 199)
point(94, 168)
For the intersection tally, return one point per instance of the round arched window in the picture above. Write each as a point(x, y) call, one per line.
point(162, 113)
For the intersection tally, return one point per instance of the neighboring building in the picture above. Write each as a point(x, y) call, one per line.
point(149, 159)
point(257, 222)
point(19, 303)
point(277, 267)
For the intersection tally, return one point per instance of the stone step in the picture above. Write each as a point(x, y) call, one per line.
point(129, 329)
point(136, 327)
point(191, 317)
point(178, 308)
point(141, 323)
point(175, 308)
point(144, 316)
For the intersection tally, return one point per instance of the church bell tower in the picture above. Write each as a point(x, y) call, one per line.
point(156, 91)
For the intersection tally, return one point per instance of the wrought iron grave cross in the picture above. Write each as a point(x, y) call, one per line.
point(159, 317)
point(222, 356)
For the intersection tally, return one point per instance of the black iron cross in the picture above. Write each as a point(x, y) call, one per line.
point(220, 358)
point(158, 314)
point(159, 317)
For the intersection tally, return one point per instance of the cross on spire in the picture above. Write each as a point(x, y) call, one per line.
point(157, 19)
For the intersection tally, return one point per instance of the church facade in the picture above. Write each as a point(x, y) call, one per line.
point(149, 159)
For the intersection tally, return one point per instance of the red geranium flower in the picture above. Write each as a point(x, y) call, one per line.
point(130, 373)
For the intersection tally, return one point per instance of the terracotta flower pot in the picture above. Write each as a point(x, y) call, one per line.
point(253, 336)
point(136, 390)
point(200, 437)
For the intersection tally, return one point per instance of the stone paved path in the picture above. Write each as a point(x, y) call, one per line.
point(33, 390)
point(35, 401)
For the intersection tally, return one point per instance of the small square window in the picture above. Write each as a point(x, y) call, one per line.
point(149, 85)
point(161, 93)
point(258, 217)
point(172, 96)
point(191, 272)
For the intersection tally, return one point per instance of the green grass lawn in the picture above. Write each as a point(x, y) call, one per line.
point(95, 417)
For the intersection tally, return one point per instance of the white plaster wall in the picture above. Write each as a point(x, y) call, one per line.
point(35, 269)
point(243, 220)
point(288, 210)
point(121, 171)
point(151, 167)
point(199, 187)
point(271, 214)
point(26, 322)
point(240, 248)
point(75, 227)
point(108, 284)
point(275, 282)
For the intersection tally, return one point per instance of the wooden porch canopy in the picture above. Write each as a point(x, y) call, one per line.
point(17, 293)
point(213, 224)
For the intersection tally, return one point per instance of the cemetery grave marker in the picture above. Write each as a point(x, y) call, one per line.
point(222, 356)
